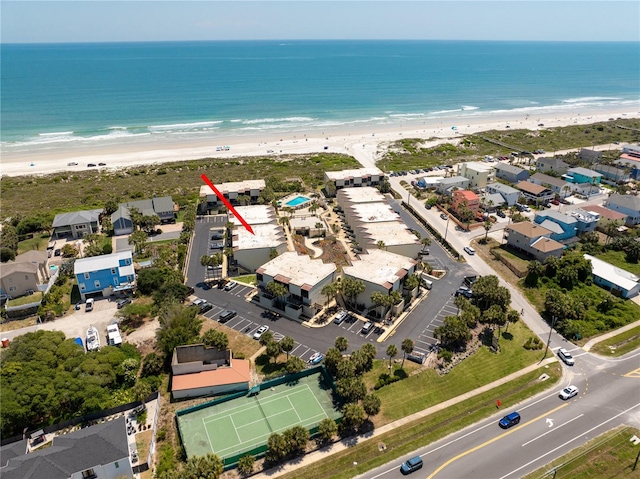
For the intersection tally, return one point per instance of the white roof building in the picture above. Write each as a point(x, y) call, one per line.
point(617, 280)
point(359, 195)
point(105, 261)
point(254, 215)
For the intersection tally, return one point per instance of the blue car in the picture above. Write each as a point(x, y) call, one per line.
point(509, 420)
point(316, 358)
point(411, 465)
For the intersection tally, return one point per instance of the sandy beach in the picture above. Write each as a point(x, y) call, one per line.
point(364, 145)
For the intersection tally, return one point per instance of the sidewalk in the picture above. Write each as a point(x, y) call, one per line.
point(339, 446)
point(598, 339)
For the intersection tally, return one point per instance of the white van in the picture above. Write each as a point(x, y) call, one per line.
point(427, 283)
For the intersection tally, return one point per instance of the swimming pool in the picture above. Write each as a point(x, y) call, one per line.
point(297, 201)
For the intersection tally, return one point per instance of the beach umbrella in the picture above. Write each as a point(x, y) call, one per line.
point(454, 127)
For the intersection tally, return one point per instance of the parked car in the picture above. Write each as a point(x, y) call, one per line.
point(464, 291)
point(509, 420)
point(340, 317)
point(555, 202)
point(411, 465)
point(316, 358)
point(230, 285)
point(444, 216)
point(366, 329)
point(121, 303)
point(501, 214)
point(89, 305)
point(204, 307)
point(72, 163)
point(568, 392)
point(91, 165)
point(226, 315)
point(469, 250)
point(198, 302)
point(261, 330)
point(566, 357)
point(57, 252)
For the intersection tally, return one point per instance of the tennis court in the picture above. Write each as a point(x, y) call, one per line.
point(244, 424)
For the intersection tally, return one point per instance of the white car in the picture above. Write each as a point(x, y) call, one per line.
point(568, 392)
point(469, 250)
point(566, 357)
point(230, 285)
point(261, 330)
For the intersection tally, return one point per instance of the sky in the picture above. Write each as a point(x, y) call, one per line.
point(26, 21)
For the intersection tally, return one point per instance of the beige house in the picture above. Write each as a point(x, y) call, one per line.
point(248, 191)
point(23, 275)
point(354, 178)
point(534, 240)
point(478, 174)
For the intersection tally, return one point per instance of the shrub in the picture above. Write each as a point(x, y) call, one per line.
point(445, 355)
point(385, 379)
point(533, 343)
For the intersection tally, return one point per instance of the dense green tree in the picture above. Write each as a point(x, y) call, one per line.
point(266, 338)
point(152, 365)
point(287, 344)
point(353, 416)
point(346, 369)
point(110, 207)
point(215, 338)
point(277, 448)
point(392, 352)
point(407, 348)
point(170, 292)
point(327, 429)
point(371, 404)
point(351, 288)
point(246, 465)
point(297, 438)
point(332, 360)
point(295, 364)
point(368, 353)
point(341, 344)
point(351, 389)
point(454, 332)
point(150, 280)
point(9, 237)
point(7, 254)
point(202, 467)
point(138, 239)
point(273, 350)
point(513, 316)
point(331, 290)
point(277, 290)
point(179, 325)
point(535, 270)
point(488, 292)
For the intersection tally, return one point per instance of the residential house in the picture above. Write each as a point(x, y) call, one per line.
point(448, 185)
point(589, 156)
point(553, 165)
point(162, 207)
point(617, 280)
point(380, 271)
point(465, 199)
point(508, 193)
point(303, 279)
point(26, 274)
point(559, 186)
point(632, 162)
point(100, 451)
point(199, 371)
point(354, 178)
point(511, 173)
point(606, 216)
point(631, 150)
point(536, 193)
point(628, 205)
point(613, 174)
point(76, 224)
point(243, 193)
point(581, 175)
point(479, 174)
point(250, 251)
point(587, 221)
point(493, 201)
point(105, 275)
point(372, 222)
point(563, 227)
point(534, 240)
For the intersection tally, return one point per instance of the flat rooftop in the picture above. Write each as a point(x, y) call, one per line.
point(477, 166)
point(392, 233)
point(373, 212)
point(300, 270)
point(266, 236)
point(366, 194)
point(236, 186)
point(355, 173)
point(380, 267)
point(306, 222)
point(254, 215)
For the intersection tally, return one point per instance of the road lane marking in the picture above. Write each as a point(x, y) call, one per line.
point(552, 430)
point(491, 441)
point(581, 435)
point(632, 374)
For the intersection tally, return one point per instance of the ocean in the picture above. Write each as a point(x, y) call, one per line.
point(61, 95)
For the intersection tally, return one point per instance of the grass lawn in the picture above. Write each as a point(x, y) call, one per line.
point(249, 279)
point(238, 342)
point(39, 242)
point(609, 455)
point(31, 298)
point(401, 441)
point(618, 258)
point(619, 344)
point(427, 388)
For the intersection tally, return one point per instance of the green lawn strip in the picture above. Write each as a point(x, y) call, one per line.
point(403, 440)
point(427, 388)
point(619, 344)
point(619, 259)
point(609, 455)
point(31, 298)
point(39, 242)
point(249, 279)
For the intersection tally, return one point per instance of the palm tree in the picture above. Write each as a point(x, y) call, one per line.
point(314, 207)
point(381, 245)
point(487, 226)
point(407, 348)
point(341, 344)
point(278, 290)
point(392, 351)
point(330, 290)
point(380, 301)
point(426, 241)
point(138, 238)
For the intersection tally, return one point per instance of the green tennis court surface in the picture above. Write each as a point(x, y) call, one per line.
point(244, 424)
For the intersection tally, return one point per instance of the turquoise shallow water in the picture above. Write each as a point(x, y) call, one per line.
point(69, 94)
point(298, 200)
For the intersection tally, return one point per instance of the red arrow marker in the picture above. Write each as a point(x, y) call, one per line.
point(226, 203)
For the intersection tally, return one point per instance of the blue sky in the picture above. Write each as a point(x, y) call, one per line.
point(26, 21)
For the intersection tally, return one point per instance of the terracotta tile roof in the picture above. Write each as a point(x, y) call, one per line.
point(605, 212)
point(467, 195)
point(546, 245)
point(238, 372)
point(528, 229)
point(530, 187)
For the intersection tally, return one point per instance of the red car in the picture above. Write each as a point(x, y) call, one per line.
point(555, 202)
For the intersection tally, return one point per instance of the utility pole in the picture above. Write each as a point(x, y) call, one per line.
point(446, 229)
point(553, 322)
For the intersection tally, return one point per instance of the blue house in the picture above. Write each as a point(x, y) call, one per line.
point(625, 204)
point(618, 281)
point(563, 227)
point(581, 175)
point(105, 275)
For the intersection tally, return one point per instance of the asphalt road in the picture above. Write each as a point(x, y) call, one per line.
point(550, 427)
